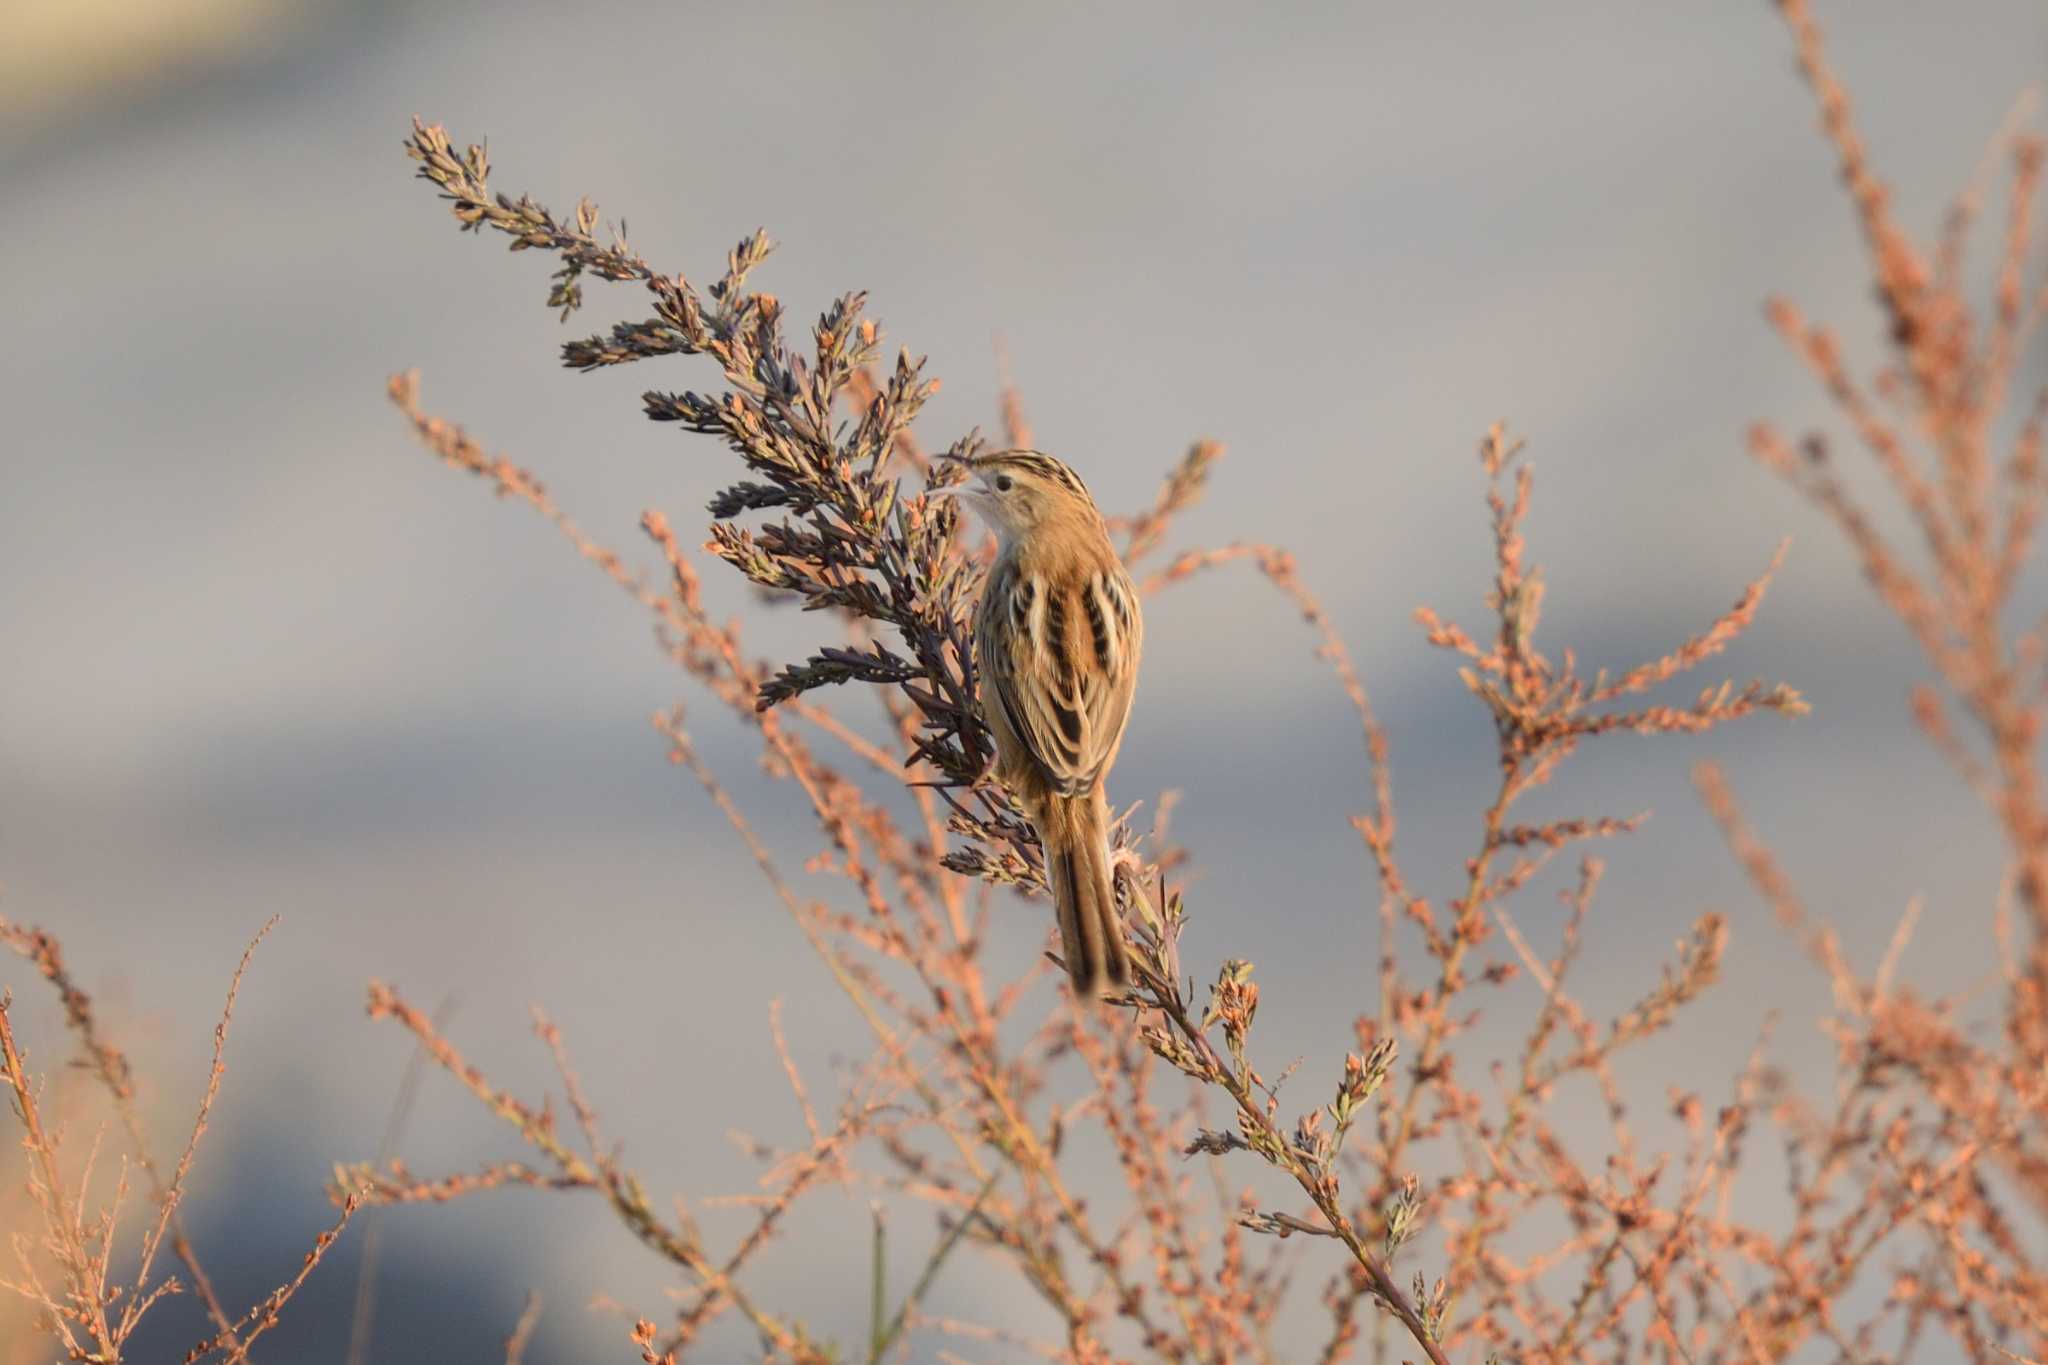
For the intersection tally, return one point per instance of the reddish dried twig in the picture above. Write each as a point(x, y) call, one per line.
point(1651, 1262)
point(94, 1315)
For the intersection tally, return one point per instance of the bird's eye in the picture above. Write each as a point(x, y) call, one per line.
point(1004, 483)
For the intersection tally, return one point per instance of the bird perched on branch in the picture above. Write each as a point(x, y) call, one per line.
point(1057, 642)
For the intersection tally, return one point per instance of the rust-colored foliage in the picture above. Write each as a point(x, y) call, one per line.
point(1469, 1223)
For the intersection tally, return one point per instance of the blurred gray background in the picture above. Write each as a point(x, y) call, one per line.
point(263, 656)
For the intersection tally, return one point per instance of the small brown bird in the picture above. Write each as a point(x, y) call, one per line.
point(1057, 642)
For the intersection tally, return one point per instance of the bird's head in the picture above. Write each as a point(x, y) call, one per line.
point(1020, 491)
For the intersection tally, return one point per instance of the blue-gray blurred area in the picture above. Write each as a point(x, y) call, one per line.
point(263, 656)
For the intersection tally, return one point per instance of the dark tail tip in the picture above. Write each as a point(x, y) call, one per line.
point(1091, 935)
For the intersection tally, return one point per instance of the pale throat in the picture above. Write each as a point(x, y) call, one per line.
point(1063, 526)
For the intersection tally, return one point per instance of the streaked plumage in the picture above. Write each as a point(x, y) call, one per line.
point(1058, 638)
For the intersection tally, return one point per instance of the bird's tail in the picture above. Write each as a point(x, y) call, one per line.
point(1077, 867)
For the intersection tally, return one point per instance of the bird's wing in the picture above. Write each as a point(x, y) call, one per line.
point(1062, 659)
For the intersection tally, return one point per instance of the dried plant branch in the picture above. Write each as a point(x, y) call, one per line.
point(111, 1068)
point(894, 570)
point(96, 1312)
point(522, 1330)
point(233, 1346)
point(1915, 1193)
